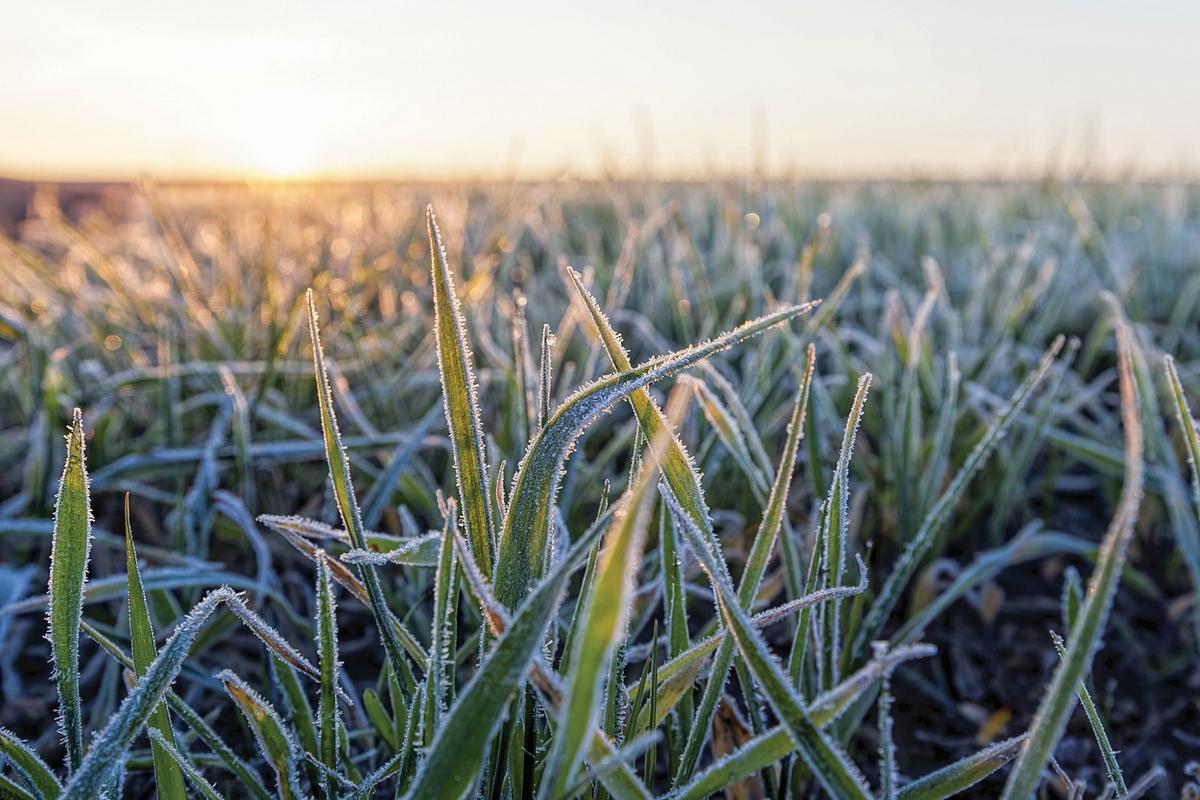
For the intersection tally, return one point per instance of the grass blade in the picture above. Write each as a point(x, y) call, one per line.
point(836, 522)
point(604, 620)
point(441, 639)
point(202, 786)
point(343, 491)
point(1187, 425)
point(962, 775)
point(275, 742)
point(68, 573)
point(26, 760)
point(167, 778)
point(462, 403)
point(327, 648)
point(1085, 635)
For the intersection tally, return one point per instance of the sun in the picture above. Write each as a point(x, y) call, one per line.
point(276, 137)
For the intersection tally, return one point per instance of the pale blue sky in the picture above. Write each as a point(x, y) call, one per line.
point(536, 88)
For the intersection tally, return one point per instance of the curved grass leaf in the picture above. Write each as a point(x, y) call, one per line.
point(620, 781)
point(193, 720)
point(29, 764)
point(68, 573)
point(525, 535)
point(1187, 425)
point(676, 676)
point(1085, 635)
point(11, 790)
point(342, 574)
point(461, 402)
point(108, 747)
point(167, 778)
point(420, 552)
point(962, 775)
point(918, 547)
point(832, 768)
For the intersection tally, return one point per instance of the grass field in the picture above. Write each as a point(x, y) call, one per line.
point(843, 575)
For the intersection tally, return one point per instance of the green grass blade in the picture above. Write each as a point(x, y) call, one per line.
point(30, 764)
point(1059, 698)
point(832, 768)
point(833, 560)
point(198, 782)
point(343, 491)
point(1187, 424)
point(604, 620)
point(108, 747)
point(441, 638)
point(918, 547)
point(10, 790)
point(1109, 756)
point(774, 744)
point(457, 752)
point(461, 402)
point(274, 740)
point(168, 779)
point(327, 649)
point(68, 573)
point(962, 775)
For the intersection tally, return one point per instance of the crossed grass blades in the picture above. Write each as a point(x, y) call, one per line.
point(510, 643)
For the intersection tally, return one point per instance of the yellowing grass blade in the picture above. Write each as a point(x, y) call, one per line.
point(274, 740)
point(461, 402)
point(604, 620)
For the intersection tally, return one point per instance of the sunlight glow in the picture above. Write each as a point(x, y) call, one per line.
point(276, 138)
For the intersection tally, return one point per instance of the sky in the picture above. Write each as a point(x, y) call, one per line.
point(533, 89)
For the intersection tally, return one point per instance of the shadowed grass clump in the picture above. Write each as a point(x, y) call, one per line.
point(619, 568)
